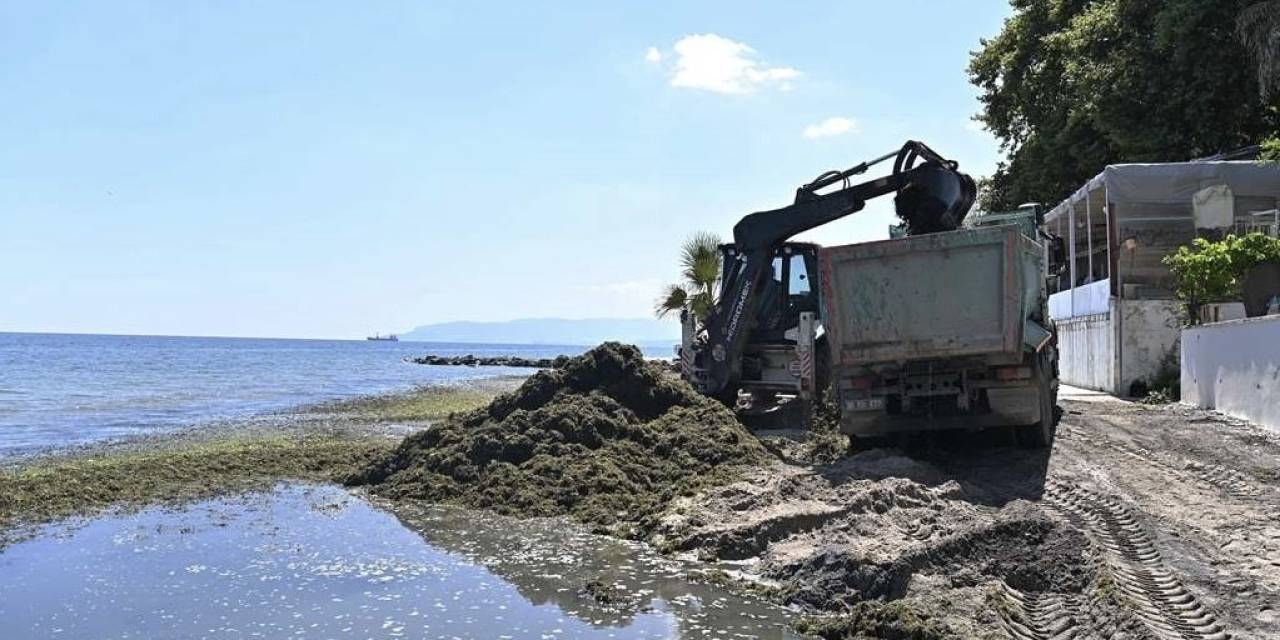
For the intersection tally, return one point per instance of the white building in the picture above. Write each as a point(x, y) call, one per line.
point(1115, 311)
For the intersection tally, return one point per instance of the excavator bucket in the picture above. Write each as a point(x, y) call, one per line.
point(937, 199)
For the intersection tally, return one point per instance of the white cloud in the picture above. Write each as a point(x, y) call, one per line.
point(975, 125)
point(653, 55)
point(714, 63)
point(831, 127)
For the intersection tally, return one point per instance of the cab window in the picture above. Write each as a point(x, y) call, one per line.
point(799, 285)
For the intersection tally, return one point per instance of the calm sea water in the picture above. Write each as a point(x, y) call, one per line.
point(58, 390)
point(316, 562)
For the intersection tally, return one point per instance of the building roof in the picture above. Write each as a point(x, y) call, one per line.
point(1176, 182)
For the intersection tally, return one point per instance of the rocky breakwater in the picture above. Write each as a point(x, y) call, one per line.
point(493, 361)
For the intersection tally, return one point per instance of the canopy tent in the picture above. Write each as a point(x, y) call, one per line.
point(1126, 219)
point(1115, 313)
point(1178, 182)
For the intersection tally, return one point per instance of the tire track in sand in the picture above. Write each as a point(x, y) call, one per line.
point(1158, 598)
point(917, 529)
point(1038, 616)
point(1230, 481)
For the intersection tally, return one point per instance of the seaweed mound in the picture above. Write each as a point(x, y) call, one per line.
point(607, 438)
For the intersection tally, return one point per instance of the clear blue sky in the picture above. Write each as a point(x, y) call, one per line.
point(330, 169)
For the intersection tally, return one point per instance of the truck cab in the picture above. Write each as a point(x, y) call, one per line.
point(779, 356)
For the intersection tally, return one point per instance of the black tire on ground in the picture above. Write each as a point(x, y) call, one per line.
point(858, 444)
point(1040, 435)
point(728, 396)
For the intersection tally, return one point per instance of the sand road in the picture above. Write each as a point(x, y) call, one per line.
point(1143, 522)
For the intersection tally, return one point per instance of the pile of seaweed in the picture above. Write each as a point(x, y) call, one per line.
point(608, 438)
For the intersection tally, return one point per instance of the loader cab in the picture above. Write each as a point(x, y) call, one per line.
point(791, 289)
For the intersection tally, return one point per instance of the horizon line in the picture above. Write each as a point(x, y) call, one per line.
point(227, 337)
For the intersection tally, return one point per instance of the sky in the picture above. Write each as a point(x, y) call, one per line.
point(332, 169)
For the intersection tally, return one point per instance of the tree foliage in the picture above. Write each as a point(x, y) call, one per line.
point(1202, 273)
point(1207, 272)
point(1259, 27)
point(1069, 86)
point(700, 275)
point(1270, 150)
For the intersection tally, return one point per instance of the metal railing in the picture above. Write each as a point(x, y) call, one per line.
point(1264, 222)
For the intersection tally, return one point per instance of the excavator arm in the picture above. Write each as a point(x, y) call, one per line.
point(932, 196)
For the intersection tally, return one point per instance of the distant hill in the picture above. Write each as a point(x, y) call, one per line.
point(559, 331)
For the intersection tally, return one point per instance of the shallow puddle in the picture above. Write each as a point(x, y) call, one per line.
point(317, 562)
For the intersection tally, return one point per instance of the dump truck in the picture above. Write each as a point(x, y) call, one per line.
point(943, 326)
point(943, 331)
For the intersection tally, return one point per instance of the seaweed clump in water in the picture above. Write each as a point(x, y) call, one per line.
point(608, 438)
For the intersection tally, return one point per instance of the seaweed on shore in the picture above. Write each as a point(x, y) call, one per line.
point(60, 487)
point(608, 438)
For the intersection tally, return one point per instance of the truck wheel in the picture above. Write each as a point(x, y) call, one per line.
point(728, 396)
point(1040, 435)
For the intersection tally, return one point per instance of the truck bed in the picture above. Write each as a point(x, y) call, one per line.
point(945, 295)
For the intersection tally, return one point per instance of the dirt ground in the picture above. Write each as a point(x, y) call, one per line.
point(1143, 522)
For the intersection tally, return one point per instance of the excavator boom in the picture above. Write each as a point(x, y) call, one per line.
point(931, 196)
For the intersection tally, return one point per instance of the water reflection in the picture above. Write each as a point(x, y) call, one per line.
point(549, 561)
point(315, 562)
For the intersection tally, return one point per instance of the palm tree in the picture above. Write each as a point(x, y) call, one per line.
point(700, 270)
point(1259, 29)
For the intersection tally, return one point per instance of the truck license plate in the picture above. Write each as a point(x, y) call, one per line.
point(864, 404)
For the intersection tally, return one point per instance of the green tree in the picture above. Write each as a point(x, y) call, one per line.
point(700, 274)
point(1205, 272)
point(1270, 150)
point(1251, 250)
point(1259, 28)
point(1202, 275)
point(1069, 86)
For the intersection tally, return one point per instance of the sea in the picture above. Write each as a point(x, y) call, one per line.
point(63, 390)
point(315, 561)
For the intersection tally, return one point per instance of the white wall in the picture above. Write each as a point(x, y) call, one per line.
point(1084, 300)
point(1149, 332)
point(1234, 367)
point(1060, 305)
point(1145, 331)
point(1086, 358)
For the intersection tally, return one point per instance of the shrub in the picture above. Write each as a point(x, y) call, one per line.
point(1270, 149)
point(1207, 271)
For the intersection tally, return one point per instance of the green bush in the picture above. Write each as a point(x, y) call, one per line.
point(1206, 272)
point(1251, 250)
point(1270, 149)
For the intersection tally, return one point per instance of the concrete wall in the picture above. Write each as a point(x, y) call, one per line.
point(1085, 300)
point(1234, 367)
point(1086, 358)
point(1149, 333)
point(1146, 334)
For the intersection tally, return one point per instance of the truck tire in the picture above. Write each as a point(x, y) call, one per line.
point(1040, 434)
point(728, 396)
